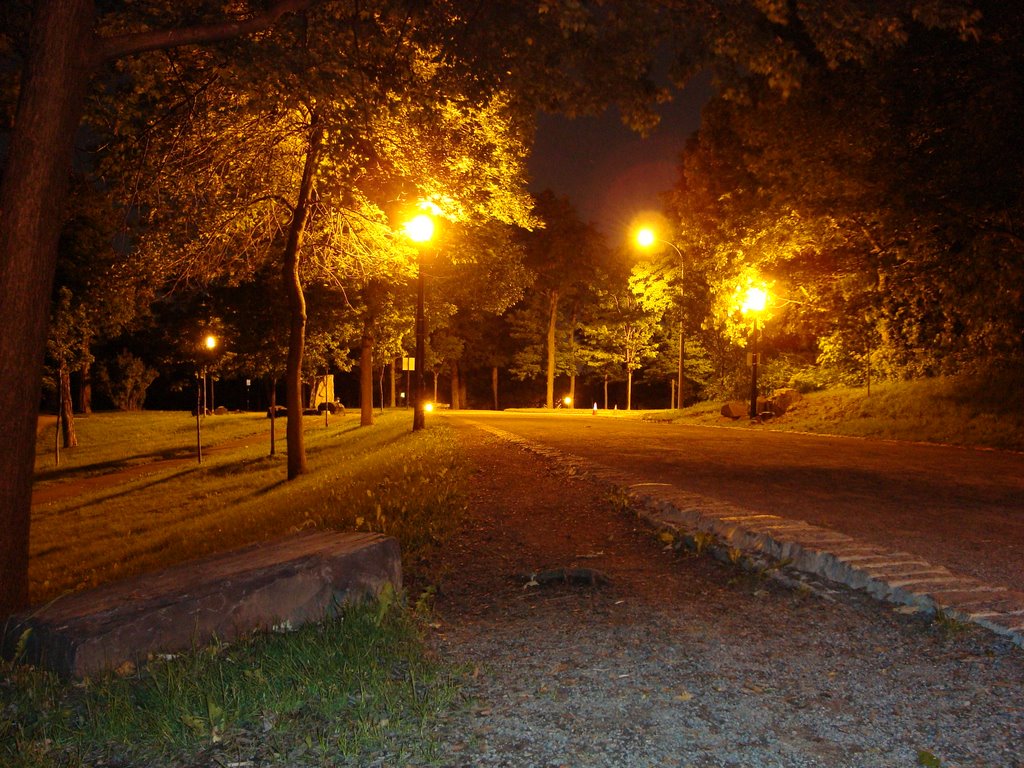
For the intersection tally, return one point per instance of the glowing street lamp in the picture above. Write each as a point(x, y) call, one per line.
point(207, 347)
point(645, 238)
point(754, 302)
point(419, 229)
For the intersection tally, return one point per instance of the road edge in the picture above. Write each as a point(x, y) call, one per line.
point(887, 575)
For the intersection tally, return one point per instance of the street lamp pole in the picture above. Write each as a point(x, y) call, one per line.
point(753, 374)
point(209, 344)
point(419, 419)
point(645, 238)
point(199, 429)
point(420, 229)
point(754, 302)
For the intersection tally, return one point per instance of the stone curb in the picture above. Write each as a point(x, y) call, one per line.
point(896, 577)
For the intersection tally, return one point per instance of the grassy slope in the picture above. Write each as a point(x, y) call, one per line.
point(984, 412)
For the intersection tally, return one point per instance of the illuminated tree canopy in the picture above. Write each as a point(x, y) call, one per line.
point(294, 122)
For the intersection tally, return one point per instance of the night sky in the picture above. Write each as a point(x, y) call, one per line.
point(608, 172)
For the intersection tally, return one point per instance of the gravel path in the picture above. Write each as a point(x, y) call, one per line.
point(685, 661)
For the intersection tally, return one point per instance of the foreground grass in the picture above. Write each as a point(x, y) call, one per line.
point(326, 695)
point(339, 693)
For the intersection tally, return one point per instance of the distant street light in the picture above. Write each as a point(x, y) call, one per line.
point(419, 229)
point(754, 302)
point(207, 347)
point(645, 238)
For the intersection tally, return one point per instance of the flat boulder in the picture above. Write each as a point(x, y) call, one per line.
point(735, 409)
point(783, 400)
point(302, 578)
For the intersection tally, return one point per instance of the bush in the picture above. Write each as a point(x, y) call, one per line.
point(125, 381)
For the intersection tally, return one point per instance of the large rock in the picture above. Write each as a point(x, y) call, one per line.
point(735, 409)
point(783, 399)
point(298, 579)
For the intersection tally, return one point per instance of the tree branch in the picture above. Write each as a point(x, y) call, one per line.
point(137, 42)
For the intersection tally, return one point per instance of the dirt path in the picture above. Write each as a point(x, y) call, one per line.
point(681, 660)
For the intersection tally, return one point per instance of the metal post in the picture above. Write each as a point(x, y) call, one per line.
point(199, 429)
point(418, 416)
point(753, 375)
point(679, 375)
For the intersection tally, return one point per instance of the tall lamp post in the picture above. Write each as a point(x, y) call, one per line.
point(754, 302)
point(208, 345)
point(645, 238)
point(419, 229)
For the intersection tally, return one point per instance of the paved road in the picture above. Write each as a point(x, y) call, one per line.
point(958, 507)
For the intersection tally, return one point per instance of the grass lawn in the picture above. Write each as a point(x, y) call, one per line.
point(383, 479)
point(330, 694)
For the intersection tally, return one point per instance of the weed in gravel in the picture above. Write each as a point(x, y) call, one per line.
point(735, 555)
point(927, 759)
point(950, 626)
point(702, 540)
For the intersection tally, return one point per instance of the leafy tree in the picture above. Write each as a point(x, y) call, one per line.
point(563, 255)
point(624, 332)
point(125, 380)
point(548, 48)
point(67, 343)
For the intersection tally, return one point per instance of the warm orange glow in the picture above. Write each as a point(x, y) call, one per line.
point(420, 228)
point(645, 237)
point(428, 407)
point(210, 342)
point(567, 400)
point(755, 300)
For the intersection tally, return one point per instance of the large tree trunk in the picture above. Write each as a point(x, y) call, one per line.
point(297, 308)
point(85, 377)
point(60, 61)
point(85, 389)
point(456, 388)
point(572, 358)
point(366, 379)
point(54, 82)
point(67, 410)
point(393, 400)
point(273, 416)
point(552, 320)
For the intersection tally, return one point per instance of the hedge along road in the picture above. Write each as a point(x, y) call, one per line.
point(962, 508)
